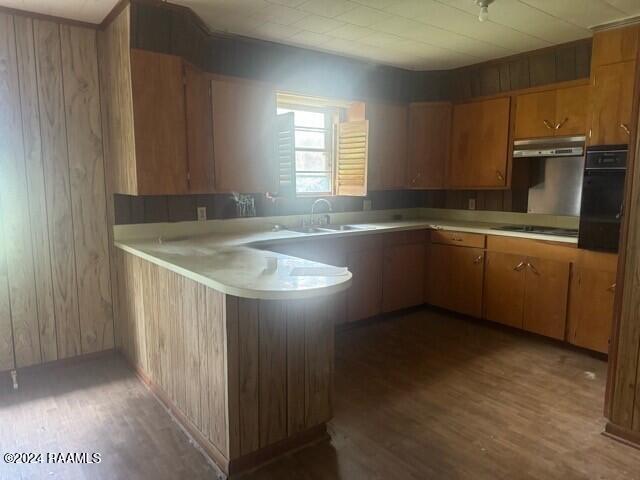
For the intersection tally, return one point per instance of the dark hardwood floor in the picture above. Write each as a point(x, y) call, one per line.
point(422, 395)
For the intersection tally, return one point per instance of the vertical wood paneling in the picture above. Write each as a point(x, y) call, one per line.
point(56, 167)
point(273, 368)
point(204, 325)
point(319, 346)
point(249, 363)
point(233, 376)
point(15, 203)
point(217, 368)
point(86, 172)
point(6, 332)
point(295, 326)
point(189, 317)
point(36, 187)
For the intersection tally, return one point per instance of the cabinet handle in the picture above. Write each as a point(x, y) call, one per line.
point(478, 259)
point(547, 124)
point(519, 267)
point(559, 125)
point(624, 127)
point(456, 239)
point(499, 175)
point(415, 179)
point(612, 288)
point(533, 269)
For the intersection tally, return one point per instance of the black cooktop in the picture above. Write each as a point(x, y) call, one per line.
point(561, 232)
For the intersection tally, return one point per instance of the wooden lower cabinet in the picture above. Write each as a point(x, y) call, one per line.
point(403, 276)
point(545, 298)
point(364, 298)
point(590, 314)
point(455, 278)
point(504, 288)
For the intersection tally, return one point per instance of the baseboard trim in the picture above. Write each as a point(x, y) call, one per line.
point(64, 362)
point(622, 435)
point(240, 465)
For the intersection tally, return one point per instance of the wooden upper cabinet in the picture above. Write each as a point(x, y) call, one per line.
point(590, 315)
point(572, 110)
point(611, 102)
point(244, 133)
point(387, 145)
point(428, 148)
point(199, 130)
point(535, 114)
point(159, 124)
point(480, 144)
point(557, 112)
point(545, 299)
point(615, 45)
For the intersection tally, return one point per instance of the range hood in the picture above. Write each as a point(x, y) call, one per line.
point(549, 147)
point(555, 167)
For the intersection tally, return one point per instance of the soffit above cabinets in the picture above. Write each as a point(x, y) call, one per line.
point(414, 34)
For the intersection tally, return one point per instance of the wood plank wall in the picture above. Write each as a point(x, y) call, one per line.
point(265, 365)
point(55, 290)
point(570, 61)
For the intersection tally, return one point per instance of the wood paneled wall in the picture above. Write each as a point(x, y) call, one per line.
point(559, 63)
point(244, 374)
point(55, 290)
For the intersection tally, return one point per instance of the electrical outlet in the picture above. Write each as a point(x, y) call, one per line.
point(366, 204)
point(202, 214)
point(472, 204)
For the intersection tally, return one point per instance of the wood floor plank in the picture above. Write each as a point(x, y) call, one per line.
point(58, 195)
point(15, 202)
point(36, 186)
point(86, 176)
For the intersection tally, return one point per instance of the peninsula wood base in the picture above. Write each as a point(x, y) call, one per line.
point(249, 379)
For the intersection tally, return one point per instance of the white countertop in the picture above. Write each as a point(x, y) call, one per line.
point(230, 262)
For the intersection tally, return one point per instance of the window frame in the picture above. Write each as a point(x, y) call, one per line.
point(331, 118)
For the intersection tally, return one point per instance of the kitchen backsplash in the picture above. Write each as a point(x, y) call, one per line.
point(179, 208)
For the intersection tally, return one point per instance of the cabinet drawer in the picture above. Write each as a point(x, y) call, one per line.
point(461, 239)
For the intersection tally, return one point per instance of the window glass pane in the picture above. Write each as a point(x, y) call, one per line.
point(313, 183)
point(305, 139)
point(305, 118)
point(312, 161)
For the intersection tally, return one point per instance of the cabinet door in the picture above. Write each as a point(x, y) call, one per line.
point(572, 110)
point(403, 276)
point(615, 45)
point(464, 126)
point(364, 297)
point(244, 135)
point(479, 143)
point(612, 98)
point(199, 130)
point(535, 114)
point(591, 308)
point(504, 288)
point(545, 299)
point(455, 278)
point(159, 123)
point(429, 135)
point(387, 146)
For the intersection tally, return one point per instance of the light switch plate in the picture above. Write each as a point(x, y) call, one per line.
point(202, 214)
point(472, 204)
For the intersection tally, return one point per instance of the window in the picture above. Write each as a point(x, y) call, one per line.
point(306, 157)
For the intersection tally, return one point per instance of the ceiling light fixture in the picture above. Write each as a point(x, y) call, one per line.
point(484, 9)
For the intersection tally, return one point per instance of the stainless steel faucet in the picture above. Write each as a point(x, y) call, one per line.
point(313, 210)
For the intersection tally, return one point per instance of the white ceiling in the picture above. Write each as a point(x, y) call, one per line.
point(416, 34)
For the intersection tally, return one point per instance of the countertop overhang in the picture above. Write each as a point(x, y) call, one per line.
point(233, 263)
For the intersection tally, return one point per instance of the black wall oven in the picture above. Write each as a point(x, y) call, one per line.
point(602, 197)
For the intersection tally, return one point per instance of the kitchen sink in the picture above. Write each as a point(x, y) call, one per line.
point(306, 229)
